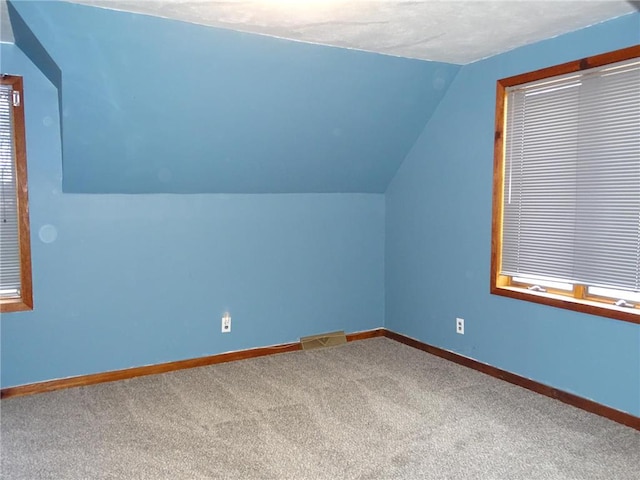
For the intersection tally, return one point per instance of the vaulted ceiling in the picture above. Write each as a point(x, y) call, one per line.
point(175, 100)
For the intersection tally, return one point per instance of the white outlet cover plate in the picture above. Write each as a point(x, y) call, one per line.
point(226, 324)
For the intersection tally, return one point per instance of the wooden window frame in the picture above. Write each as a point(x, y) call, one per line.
point(25, 301)
point(578, 299)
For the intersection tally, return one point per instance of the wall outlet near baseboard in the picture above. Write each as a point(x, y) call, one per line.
point(226, 322)
point(460, 326)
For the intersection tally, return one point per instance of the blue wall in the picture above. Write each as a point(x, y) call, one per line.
point(158, 105)
point(126, 280)
point(438, 235)
point(141, 279)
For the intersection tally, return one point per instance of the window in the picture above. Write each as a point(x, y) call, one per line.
point(566, 198)
point(15, 249)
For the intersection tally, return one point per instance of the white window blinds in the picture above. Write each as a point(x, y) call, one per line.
point(9, 240)
point(571, 208)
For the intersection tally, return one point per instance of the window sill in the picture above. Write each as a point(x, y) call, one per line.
point(631, 315)
point(15, 305)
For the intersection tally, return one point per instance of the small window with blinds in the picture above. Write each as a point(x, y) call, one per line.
point(566, 200)
point(15, 250)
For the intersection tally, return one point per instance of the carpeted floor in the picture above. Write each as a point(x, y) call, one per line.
point(372, 409)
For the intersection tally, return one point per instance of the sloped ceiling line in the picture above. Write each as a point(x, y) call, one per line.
point(466, 30)
point(247, 113)
point(29, 44)
point(239, 113)
point(461, 31)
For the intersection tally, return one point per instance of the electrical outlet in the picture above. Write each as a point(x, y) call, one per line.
point(226, 323)
point(460, 326)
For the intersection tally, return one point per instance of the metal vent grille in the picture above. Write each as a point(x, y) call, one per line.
point(323, 340)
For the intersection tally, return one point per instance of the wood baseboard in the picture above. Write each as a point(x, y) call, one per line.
point(568, 398)
point(112, 376)
point(92, 379)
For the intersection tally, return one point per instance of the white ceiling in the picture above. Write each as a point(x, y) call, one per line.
point(449, 31)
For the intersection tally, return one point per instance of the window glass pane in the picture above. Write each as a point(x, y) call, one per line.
point(545, 283)
point(615, 294)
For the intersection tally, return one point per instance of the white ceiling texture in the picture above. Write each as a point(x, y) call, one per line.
point(442, 30)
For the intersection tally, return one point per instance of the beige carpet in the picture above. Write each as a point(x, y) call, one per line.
point(372, 409)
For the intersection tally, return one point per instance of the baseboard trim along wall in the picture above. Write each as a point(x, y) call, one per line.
point(569, 398)
point(112, 376)
point(92, 379)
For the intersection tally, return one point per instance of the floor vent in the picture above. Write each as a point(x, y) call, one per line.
point(323, 340)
